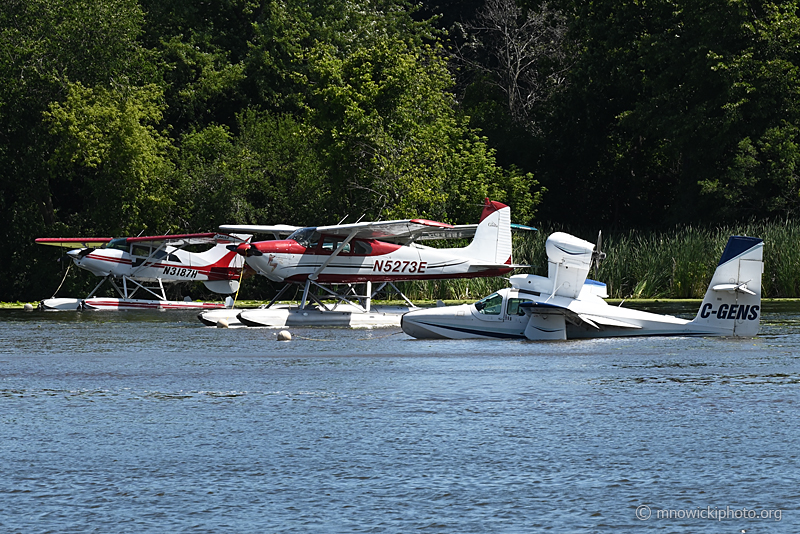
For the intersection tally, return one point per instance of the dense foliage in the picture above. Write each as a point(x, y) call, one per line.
point(121, 117)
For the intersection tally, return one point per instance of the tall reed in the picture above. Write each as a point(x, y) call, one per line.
point(676, 263)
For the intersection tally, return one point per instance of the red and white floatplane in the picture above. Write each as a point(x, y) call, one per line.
point(325, 259)
point(138, 268)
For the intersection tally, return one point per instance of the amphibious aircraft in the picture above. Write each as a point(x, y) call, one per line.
point(146, 263)
point(371, 252)
point(567, 305)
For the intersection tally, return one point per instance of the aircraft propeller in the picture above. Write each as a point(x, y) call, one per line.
point(598, 255)
point(245, 249)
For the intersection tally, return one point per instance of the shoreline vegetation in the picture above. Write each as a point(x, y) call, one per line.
point(641, 266)
point(248, 304)
point(658, 265)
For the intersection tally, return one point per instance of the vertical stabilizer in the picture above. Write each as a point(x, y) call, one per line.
point(732, 304)
point(492, 241)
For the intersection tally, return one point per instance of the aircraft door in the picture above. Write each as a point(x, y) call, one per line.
point(514, 315)
point(139, 254)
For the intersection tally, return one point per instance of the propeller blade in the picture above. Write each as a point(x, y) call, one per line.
point(598, 254)
point(245, 249)
point(600, 242)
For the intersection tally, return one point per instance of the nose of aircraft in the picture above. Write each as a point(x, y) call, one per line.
point(245, 249)
point(79, 253)
point(424, 324)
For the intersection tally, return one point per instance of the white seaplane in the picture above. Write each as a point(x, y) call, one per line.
point(366, 252)
point(142, 265)
point(566, 305)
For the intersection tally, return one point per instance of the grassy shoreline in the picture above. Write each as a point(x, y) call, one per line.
point(767, 302)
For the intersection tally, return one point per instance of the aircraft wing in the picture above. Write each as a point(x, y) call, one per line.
point(457, 231)
point(416, 229)
point(399, 230)
point(178, 240)
point(573, 311)
point(275, 229)
point(74, 242)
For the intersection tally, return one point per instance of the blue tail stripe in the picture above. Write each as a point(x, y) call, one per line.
point(736, 246)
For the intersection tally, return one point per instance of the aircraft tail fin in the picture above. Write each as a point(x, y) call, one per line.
point(732, 304)
point(224, 266)
point(492, 241)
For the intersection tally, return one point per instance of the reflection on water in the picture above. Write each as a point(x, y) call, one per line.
point(151, 422)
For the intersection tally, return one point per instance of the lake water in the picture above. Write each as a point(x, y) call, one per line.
point(150, 422)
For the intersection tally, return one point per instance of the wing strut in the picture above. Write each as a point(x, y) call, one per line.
point(335, 253)
point(146, 262)
point(313, 276)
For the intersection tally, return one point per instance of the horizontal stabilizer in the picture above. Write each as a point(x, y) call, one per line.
point(733, 288)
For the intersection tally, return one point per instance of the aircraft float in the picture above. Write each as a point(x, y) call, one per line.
point(142, 265)
point(381, 252)
point(567, 305)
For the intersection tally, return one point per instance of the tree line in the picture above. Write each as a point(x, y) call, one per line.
point(128, 117)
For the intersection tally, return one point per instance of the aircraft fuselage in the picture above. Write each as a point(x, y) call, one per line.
point(170, 264)
point(363, 260)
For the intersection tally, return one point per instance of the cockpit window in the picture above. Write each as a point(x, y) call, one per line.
point(513, 306)
point(329, 244)
point(120, 243)
point(141, 251)
point(306, 237)
point(491, 305)
point(161, 254)
point(361, 248)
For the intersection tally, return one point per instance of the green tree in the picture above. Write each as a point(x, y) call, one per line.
point(201, 48)
point(110, 149)
point(759, 174)
point(268, 173)
point(677, 111)
point(376, 84)
point(45, 46)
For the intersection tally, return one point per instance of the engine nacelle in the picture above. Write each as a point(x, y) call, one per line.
point(568, 261)
point(565, 248)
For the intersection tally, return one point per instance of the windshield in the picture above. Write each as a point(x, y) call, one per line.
point(306, 237)
point(120, 243)
point(491, 305)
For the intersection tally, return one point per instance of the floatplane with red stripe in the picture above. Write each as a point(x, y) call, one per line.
point(139, 267)
point(383, 252)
